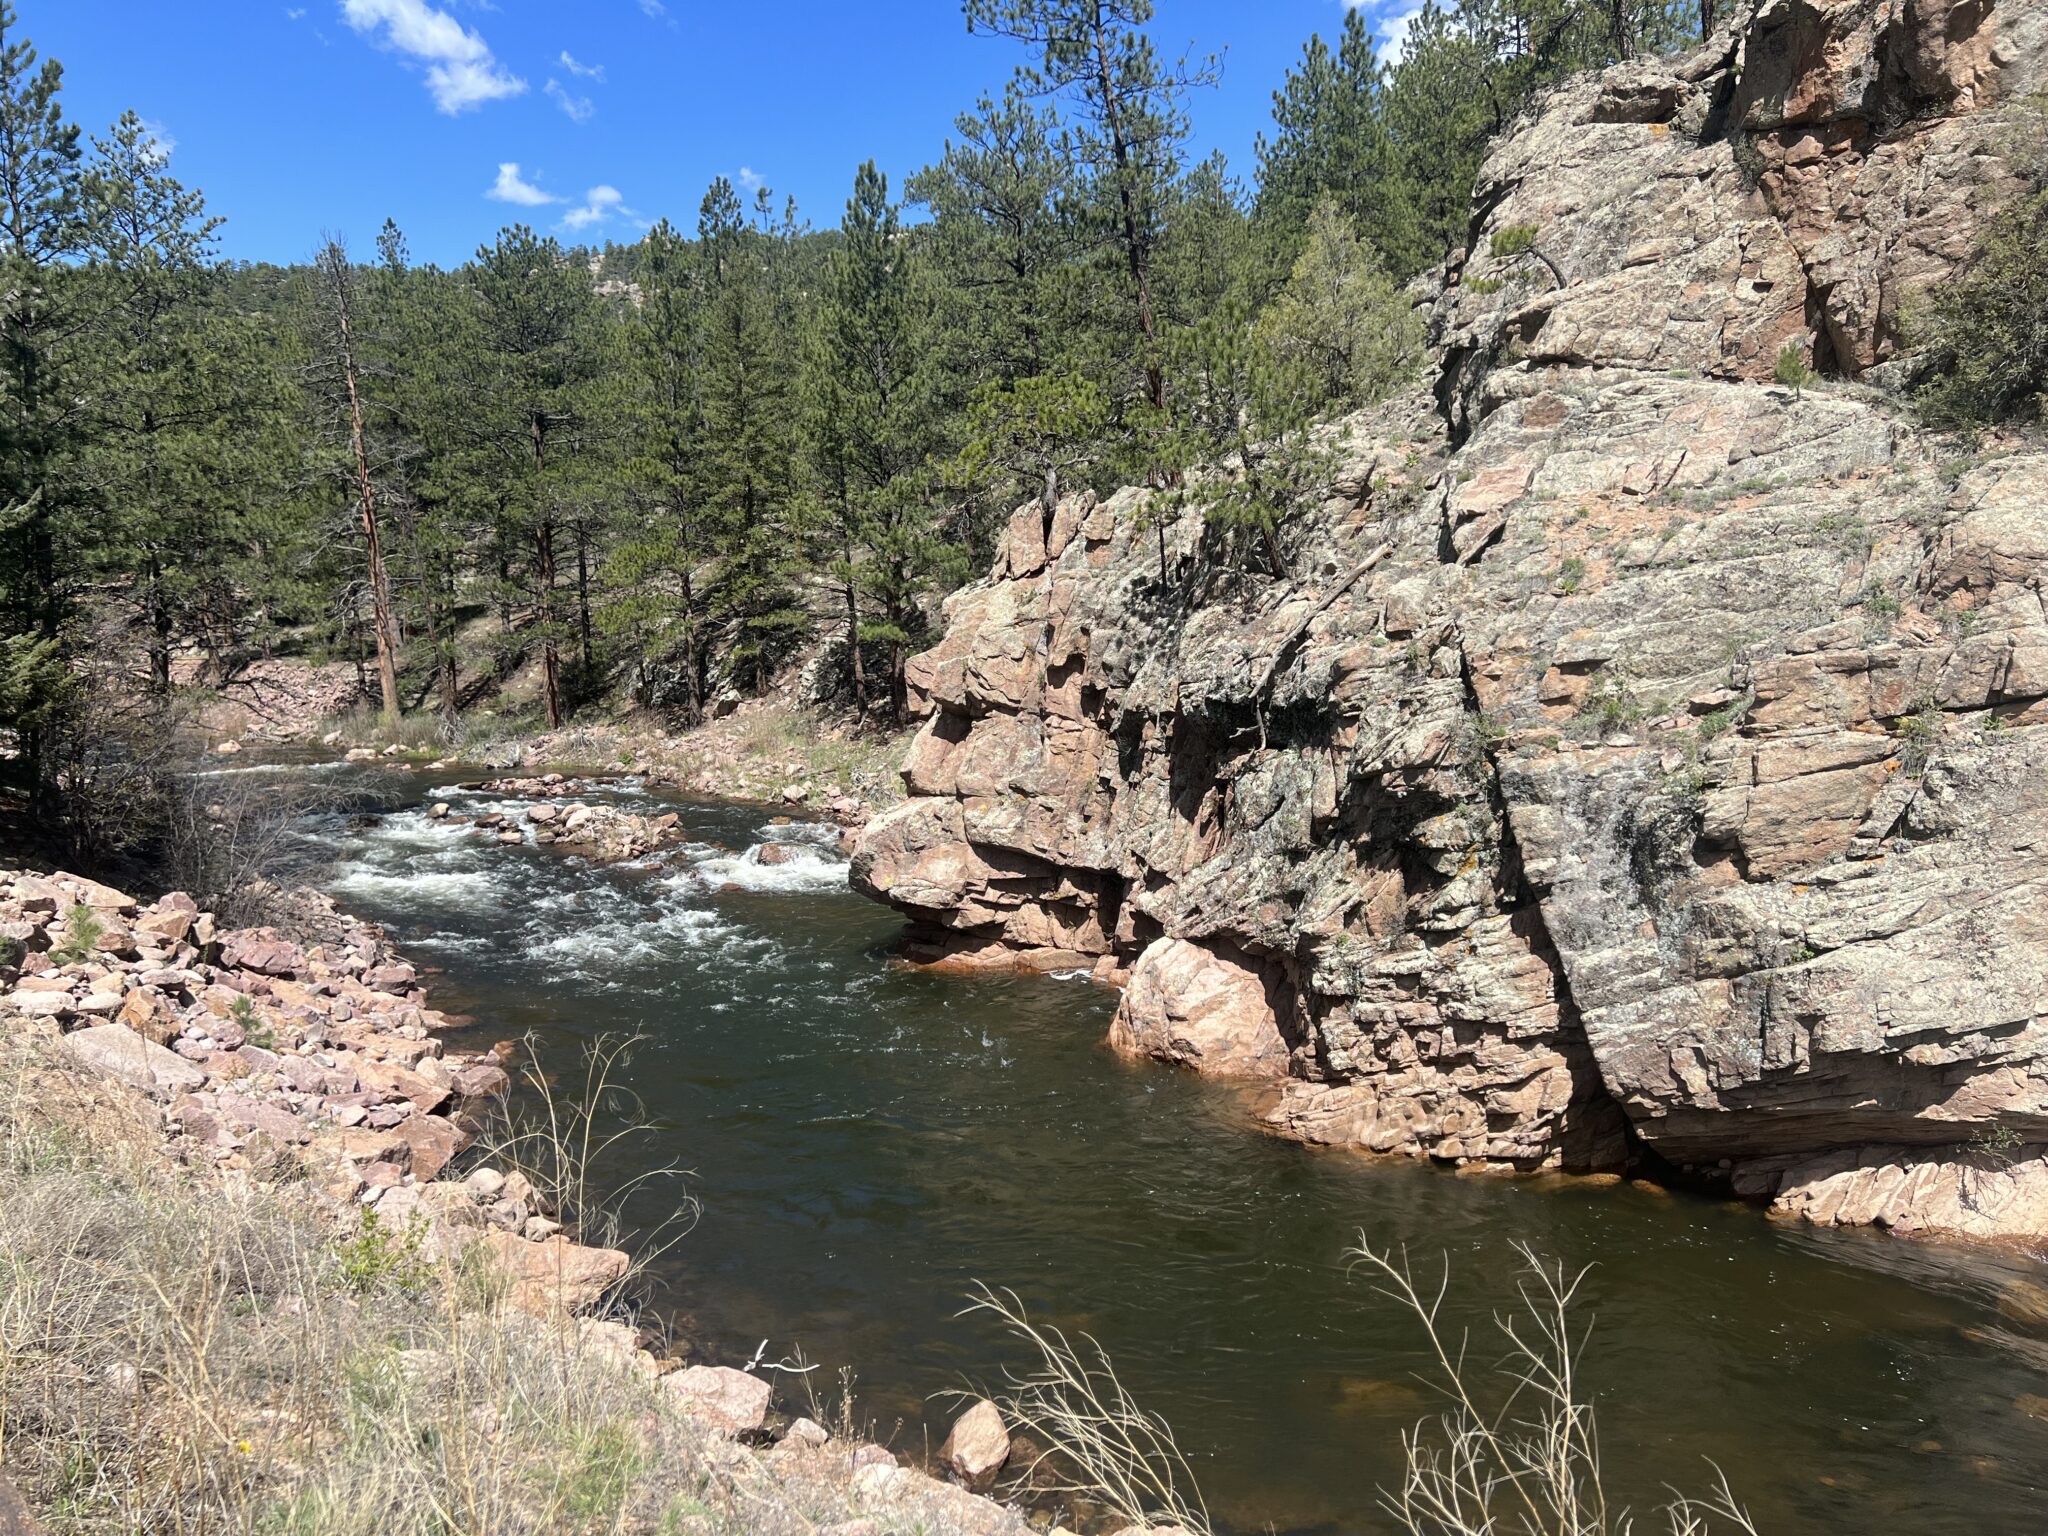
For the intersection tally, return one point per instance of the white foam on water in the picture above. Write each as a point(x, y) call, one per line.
point(806, 869)
point(410, 858)
point(598, 933)
point(459, 943)
point(416, 829)
point(577, 922)
point(248, 768)
point(823, 833)
point(466, 889)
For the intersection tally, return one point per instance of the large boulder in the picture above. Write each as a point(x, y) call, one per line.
point(1197, 1008)
point(556, 1276)
point(264, 951)
point(118, 1052)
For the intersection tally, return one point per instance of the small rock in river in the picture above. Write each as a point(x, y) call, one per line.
point(978, 1446)
point(731, 1401)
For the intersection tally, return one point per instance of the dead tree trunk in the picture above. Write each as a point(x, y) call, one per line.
point(341, 296)
point(544, 580)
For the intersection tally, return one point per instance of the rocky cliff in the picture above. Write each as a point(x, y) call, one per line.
point(1640, 759)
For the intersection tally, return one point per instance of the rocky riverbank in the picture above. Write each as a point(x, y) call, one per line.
point(1640, 760)
point(292, 1081)
point(766, 751)
point(567, 814)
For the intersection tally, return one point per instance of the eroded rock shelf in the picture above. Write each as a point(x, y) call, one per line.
point(1638, 756)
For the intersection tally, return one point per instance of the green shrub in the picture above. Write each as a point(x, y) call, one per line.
point(1514, 240)
point(1987, 331)
point(83, 931)
point(372, 1259)
point(1714, 722)
point(1792, 370)
point(1998, 1142)
point(254, 1029)
point(1608, 707)
point(1342, 318)
point(1918, 734)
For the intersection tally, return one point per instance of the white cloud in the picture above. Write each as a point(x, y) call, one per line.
point(748, 177)
point(580, 109)
point(462, 72)
point(158, 143)
point(586, 71)
point(295, 13)
point(1390, 20)
point(655, 9)
point(1395, 42)
point(599, 204)
point(511, 187)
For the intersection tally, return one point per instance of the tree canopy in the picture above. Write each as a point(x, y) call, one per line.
point(666, 466)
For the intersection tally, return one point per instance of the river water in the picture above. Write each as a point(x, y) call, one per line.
point(869, 1142)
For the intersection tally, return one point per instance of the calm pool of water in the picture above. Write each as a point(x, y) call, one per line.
point(868, 1143)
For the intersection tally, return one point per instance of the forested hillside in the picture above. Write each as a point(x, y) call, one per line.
point(664, 467)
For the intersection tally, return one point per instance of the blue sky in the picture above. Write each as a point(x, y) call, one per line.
point(303, 117)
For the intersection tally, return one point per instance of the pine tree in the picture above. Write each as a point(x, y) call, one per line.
point(422, 332)
point(660, 571)
point(1006, 233)
point(343, 367)
point(1044, 431)
point(537, 319)
point(748, 467)
point(188, 410)
point(872, 430)
point(1243, 431)
point(1331, 139)
point(1095, 55)
point(43, 233)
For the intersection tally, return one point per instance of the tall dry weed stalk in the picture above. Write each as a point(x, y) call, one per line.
point(1097, 1441)
point(574, 1147)
point(1517, 1452)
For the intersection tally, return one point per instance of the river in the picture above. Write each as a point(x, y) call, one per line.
point(868, 1142)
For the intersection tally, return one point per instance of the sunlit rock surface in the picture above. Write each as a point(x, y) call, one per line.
point(1635, 748)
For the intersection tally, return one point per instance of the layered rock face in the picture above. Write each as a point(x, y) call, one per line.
point(1635, 749)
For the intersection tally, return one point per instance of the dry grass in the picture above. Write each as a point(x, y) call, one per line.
point(1518, 1450)
point(1098, 1442)
point(364, 725)
point(182, 1354)
point(179, 1356)
point(566, 1144)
